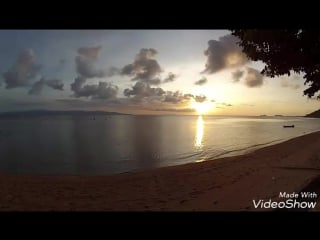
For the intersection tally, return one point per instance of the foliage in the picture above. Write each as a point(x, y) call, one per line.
point(284, 52)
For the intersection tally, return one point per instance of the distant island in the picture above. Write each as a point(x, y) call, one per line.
point(315, 114)
point(49, 113)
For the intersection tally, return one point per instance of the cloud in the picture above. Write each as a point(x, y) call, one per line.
point(237, 75)
point(288, 83)
point(144, 68)
point(142, 89)
point(103, 90)
point(202, 81)
point(253, 78)
point(39, 85)
point(178, 97)
point(86, 60)
point(200, 98)
point(113, 71)
point(85, 66)
point(224, 104)
point(170, 78)
point(188, 96)
point(91, 53)
point(77, 84)
point(224, 53)
point(55, 84)
point(23, 70)
point(173, 97)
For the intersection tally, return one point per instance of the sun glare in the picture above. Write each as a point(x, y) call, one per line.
point(199, 132)
point(202, 108)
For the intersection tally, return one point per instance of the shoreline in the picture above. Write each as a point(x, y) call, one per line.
point(222, 184)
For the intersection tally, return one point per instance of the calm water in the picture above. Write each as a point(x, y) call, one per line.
point(106, 145)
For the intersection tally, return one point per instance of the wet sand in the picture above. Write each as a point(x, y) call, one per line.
point(226, 184)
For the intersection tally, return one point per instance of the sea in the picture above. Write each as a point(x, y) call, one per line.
point(105, 145)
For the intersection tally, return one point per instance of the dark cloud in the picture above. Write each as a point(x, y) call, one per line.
point(77, 84)
point(188, 96)
point(237, 75)
point(178, 97)
point(85, 66)
point(39, 85)
point(91, 53)
point(253, 78)
point(86, 60)
point(170, 78)
point(173, 97)
point(55, 84)
point(155, 81)
point(23, 70)
point(141, 90)
point(103, 90)
point(224, 53)
point(144, 68)
point(200, 98)
point(202, 81)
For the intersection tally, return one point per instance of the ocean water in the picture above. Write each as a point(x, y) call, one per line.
point(106, 145)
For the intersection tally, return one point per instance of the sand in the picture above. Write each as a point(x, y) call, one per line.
point(226, 184)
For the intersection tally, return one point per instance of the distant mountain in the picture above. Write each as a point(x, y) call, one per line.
point(48, 113)
point(315, 114)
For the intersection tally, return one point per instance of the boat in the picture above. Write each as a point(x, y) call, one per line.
point(288, 126)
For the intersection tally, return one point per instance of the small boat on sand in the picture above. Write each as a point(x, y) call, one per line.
point(288, 126)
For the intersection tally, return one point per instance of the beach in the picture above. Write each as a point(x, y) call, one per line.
point(226, 184)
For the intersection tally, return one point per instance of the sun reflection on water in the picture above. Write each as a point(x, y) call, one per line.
point(199, 133)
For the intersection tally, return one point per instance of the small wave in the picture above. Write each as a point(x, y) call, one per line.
point(245, 149)
point(187, 155)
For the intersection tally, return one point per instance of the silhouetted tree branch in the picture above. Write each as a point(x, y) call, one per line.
point(285, 51)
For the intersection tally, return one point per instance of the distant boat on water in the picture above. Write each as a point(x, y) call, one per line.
point(288, 126)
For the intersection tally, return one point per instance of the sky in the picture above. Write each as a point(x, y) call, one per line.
point(141, 72)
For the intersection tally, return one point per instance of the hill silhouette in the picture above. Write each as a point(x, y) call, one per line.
point(315, 114)
point(48, 113)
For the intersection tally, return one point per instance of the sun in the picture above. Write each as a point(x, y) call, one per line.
point(202, 108)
